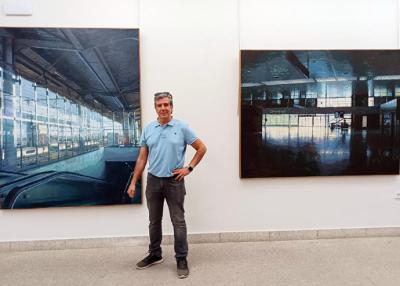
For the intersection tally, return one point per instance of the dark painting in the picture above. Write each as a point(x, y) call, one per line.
point(319, 113)
point(70, 116)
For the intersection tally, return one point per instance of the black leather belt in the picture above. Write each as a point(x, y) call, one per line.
point(164, 178)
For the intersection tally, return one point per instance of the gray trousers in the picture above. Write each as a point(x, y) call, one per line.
point(174, 193)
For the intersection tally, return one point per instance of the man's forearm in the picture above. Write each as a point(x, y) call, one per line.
point(198, 156)
point(139, 167)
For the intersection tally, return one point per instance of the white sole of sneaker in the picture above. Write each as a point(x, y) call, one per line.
point(154, 263)
point(182, 276)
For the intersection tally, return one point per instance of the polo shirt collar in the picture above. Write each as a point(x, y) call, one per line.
point(170, 123)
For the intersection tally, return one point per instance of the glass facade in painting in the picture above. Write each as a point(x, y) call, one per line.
point(39, 126)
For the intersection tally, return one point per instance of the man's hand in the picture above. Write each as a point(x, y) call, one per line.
point(131, 190)
point(181, 173)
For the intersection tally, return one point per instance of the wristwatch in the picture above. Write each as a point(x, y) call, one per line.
point(190, 168)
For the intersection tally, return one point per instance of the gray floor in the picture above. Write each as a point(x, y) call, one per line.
point(357, 261)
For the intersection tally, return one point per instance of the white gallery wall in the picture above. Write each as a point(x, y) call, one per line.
point(191, 48)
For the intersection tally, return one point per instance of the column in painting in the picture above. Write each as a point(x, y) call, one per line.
point(8, 107)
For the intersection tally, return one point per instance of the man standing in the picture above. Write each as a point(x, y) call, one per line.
point(163, 142)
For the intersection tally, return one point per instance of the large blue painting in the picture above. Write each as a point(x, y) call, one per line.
point(70, 116)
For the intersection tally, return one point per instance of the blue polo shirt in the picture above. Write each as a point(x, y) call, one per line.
point(166, 145)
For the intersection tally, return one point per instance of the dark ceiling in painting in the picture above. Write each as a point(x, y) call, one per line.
point(99, 67)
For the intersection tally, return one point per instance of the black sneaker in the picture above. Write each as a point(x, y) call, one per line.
point(182, 267)
point(148, 261)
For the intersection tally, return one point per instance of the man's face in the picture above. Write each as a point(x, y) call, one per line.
point(163, 108)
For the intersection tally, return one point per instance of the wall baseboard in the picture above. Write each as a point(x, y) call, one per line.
point(108, 242)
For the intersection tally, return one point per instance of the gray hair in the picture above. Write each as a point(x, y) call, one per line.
point(160, 95)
